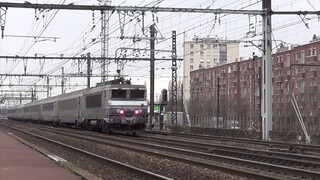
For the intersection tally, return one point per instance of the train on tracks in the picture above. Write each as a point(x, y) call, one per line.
point(113, 106)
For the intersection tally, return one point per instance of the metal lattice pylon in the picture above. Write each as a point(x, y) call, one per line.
point(174, 89)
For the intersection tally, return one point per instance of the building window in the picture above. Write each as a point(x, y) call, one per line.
point(302, 86)
point(280, 85)
point(296, 70)
point(191, 46)
point(191, 67)
point(208, 66)
point(208, 60)
point(201, 46)
point(279, 111)
point(288, 59)
point(288, 99)
point(302, 57)
point(208, 46)
point(311, 97)
point(201, 60)
point(296, 56)
point(310, 52)
point(314, 51)
point(288, 71)
point(191, 53)
point(279, 99)
point(201, 53)
point(312, 82)
point(191, 60)
point(279, 72)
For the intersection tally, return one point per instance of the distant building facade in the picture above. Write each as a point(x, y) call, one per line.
point(295, 70)
point(203, 53)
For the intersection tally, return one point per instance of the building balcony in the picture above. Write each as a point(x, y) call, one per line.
point(278, 91)
point(311, 73)
point(277, 105)
point(278, 79)
point(312, 103)
point(279, 65)
point(222, 85)
point(311, 59)
point(302, 75)
point(234, 73)
point(312, 88)
point(222, 75)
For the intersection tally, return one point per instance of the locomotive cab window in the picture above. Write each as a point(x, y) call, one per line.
point(93, 101)
point(135, 94)
point(118, 93)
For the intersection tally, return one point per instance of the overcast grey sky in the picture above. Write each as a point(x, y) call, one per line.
point(78, 32)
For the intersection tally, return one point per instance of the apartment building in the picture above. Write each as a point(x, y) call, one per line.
point(203, 53)
point(295, 73)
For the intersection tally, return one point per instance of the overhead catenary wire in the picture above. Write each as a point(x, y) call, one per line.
point(165, 32)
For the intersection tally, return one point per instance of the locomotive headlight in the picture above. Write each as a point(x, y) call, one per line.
point(137, 112)
point(121, 112)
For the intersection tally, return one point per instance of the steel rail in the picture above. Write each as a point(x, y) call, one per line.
point(245, 152)
point(311, 148)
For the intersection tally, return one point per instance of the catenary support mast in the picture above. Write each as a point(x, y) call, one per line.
point(104, 39)
point(174, 87)
point(152, 42)
point(266, 105)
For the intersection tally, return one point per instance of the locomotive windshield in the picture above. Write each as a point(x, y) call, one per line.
point(117, 93)
point(134, 94)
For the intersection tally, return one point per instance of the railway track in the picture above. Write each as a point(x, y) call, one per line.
point(143, 174)
point(256, 169)
point(271, 145)
point(280, 158)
